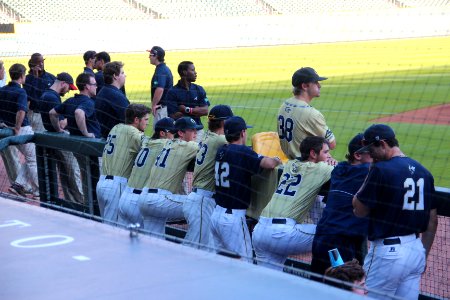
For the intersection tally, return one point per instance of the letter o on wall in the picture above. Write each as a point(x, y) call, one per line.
point(44, 241)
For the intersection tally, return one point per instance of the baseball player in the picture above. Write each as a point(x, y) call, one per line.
point(397, 196)
point(140, 174)
point(13, 113)
point(162, 200)
point(187, 98)
point(162, 81)
point(122, 145)
point(110, 102)
point(279, 232)
point(297, 119)
point(234, 166)
point(68, 168)
point(339, 227)
point(200, 203)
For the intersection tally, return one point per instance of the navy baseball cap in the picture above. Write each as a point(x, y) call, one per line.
point(165, 124)
point(158, 52)
point(187, 123)
point(67, 79)
point(376, 133)
point(355, 144)
point(235, 124)
point(306, 75)
point(220, 112)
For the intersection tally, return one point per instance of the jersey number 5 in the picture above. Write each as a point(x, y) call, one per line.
point(109, 147)
point(285, 128)
point(222, 171)
point(411, 201)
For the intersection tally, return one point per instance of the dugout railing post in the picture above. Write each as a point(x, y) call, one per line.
point(86, 150)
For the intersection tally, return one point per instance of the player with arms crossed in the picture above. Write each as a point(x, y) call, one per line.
point(297, 119)
point(235, 164)
point(279, 232)
point(122, 145)
point(163, 200)
point(339, 227)
point(397, 196)
point(140, 174)
point(200, 203)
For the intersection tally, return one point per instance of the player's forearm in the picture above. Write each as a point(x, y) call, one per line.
point(157, 96)
point(359, 209)
point(20, 115)
point(54, 119)
point(269, 162)
point(429, 234)
point(80, 119)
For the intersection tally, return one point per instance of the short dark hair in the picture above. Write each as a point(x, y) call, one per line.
point(103, 56)
point(183, 66)
point(16, 71)
point(214, 124)
point(89, 55)
point(135, 111)
point(232, 137)
point(83, 79)
point(349, 272)
point(111, 69)
point(314, 143)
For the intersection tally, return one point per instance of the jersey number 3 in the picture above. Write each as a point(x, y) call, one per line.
point(411, 201)
point(285, 128)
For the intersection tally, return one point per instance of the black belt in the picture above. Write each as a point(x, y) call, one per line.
point(194, 190)
point(109, 177)
point(229, 211)
point(162, 106)
point(137, 191)
point(394, 241)
point(278, 221)
point(153, 191)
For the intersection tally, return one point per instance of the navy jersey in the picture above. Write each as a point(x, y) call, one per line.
point(193, 97)
point(49, 100)
point(338, 217)
point(399, 193)
point(67, 109)
point(110, 106)
point(235, 164)
point(35, 86)
point(12, 99)
point(162, 78)
point(88, 71)
point(100, 80)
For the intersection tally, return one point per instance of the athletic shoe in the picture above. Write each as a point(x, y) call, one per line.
point(17, 189)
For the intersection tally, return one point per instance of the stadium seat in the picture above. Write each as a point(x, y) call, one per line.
point(268, 144)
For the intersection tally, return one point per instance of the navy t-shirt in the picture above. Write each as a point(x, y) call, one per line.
point(67, 109)
point(100, 80)
point(400, 194)
point(110, 106)
point(12, 99)
point(235, 164)
point(88, 71)
point(49, 100)
point(179, 95)
point(338, 217)
point(162, 78)
point(35, 86)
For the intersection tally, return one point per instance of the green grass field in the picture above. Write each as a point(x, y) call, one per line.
point(367, 80)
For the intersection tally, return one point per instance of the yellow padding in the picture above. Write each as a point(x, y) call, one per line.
point(268, 144)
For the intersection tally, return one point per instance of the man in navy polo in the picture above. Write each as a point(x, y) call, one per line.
point(111, 103)
point(89, 61)
point(162, 81)
point(36, 82)
point(13, 113)
point(69, 171)
point(101, 59)
point(79, 110)
point(187, 99)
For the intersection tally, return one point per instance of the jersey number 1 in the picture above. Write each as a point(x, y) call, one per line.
point(409, 203)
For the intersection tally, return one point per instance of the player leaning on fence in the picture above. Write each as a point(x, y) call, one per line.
point(297, 119)
point(397, 196)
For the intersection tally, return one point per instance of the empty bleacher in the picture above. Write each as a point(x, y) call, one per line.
point(78, 10)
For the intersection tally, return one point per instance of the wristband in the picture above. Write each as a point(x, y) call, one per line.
point(188, 110)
